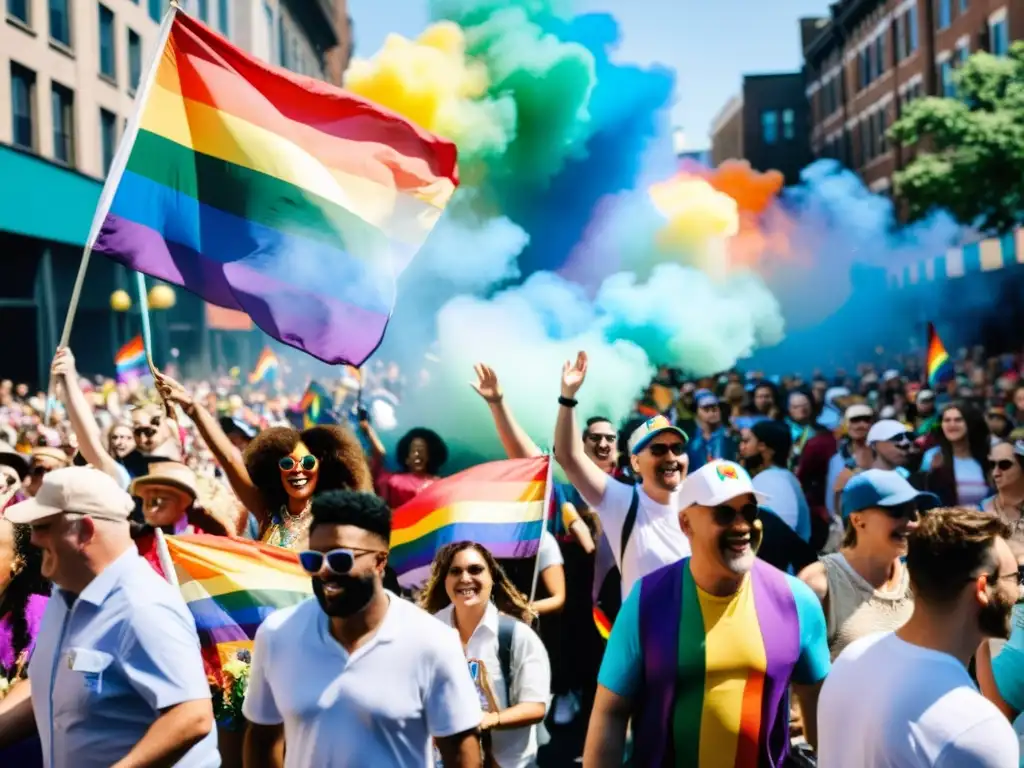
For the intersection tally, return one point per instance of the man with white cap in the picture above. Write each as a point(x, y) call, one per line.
point(704, 651)
point(117, 677)
point(853, 453)
point(640, 521)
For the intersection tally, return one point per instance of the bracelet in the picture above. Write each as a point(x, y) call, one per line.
point(568, 402)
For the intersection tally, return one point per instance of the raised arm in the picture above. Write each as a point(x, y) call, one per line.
point(514, 440)
point(90, 440)
point(226, 454)
point(584, 474)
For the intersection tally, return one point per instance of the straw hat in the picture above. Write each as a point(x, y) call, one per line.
point(171, 474)
point(49, 452)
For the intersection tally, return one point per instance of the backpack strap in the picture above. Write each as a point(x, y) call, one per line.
point(628, 524)
point(506, 630)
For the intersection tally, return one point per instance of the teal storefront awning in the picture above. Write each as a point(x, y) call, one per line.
point(43, 200)
point(984, 256)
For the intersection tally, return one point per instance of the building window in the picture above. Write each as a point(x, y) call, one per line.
point(963, 53)
point(879, 55)
point(63, 105)
point(912, 30)
point(283, 50)
point(223, 17)
point(19, 9)
point(108, 137)
point(788, 124)
point(944, 14)
point(203, 10)
point(770, 126)
point(964, 5)
point(999, 39)
point(946, 79)
point(156, 9)
point(60, 22)
point(134, 60)
point(23, 106)
point(108, 59)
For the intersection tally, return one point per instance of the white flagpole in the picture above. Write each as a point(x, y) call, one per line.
point(164, 554)
point(547, 506)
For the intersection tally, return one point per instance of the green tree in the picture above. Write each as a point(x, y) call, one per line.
point(970, 158)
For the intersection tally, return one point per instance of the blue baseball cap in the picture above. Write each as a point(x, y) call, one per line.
point(883, 488)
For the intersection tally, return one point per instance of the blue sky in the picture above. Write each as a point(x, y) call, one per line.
point(709, 43)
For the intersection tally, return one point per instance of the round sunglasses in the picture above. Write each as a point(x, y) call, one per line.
point(661, 449)
point(307, 462)
point(339, 561)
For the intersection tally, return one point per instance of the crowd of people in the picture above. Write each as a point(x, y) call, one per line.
point(749, 570)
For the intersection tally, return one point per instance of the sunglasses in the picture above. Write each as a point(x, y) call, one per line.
point(900, 511)
point(307, 462)
point(724, 515)
point(1003, 465)
point(861, 420)
point(144, 431)
point(661, 449)
point(476, 569)
point(339, 561)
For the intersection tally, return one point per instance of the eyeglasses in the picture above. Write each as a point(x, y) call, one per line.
point(307, 462)
point(144, 431)
point(902, 440)
point(1017, 576)
point(861, 420)
point(339, 561)
point(1003, 465)
point(724, 515)
point(661, 449)
point(597, 439)
point(475, 569)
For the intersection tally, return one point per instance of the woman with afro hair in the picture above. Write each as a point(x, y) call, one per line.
point(421, 453)
point(281, 469)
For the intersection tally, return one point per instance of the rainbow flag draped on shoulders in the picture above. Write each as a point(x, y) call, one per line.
point(231, 586)
point(130, 361)
point(272, 193)
point(502, 505)
point(938, 366)
point(266, 367)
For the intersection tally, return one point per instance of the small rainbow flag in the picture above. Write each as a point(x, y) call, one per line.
point(266, 367)
point(937, 363)
point(231, 586)
point(130, 361)
point(501, 505)
point(272, 193)
point(317, 406)
point(604, 626)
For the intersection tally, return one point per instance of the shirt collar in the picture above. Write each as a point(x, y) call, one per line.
point(489, 621)
point(101, 586)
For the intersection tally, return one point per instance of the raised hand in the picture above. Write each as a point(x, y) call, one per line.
point(573, 374)
point(172, 392)
point(486, 384)
point(64, 364)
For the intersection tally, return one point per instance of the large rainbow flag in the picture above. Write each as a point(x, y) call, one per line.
point(937, 365)
point(130, 361)
point(502, 505)
point(271, 193)
point(231, 586)
point(266, 367)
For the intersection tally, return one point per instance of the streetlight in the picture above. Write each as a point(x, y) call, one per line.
point(163, 297)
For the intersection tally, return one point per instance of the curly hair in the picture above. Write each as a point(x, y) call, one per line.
point(506, 597)
point(437, 450)
point(27, 581)
point(342, 462)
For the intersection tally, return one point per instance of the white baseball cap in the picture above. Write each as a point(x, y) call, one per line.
point(716, 483)
point(885, 430)
point(84, 490)
point(858, 411)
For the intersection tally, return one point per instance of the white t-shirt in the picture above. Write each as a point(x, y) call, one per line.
point(531, 673)
point(889, 704)
point(548, 554)
point(785, 497)
point(656, 540)
point(378, 707)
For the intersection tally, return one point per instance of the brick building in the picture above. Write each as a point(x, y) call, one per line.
point(871, 58)
point(766, 125)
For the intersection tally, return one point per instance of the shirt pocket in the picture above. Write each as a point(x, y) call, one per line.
point(86, 670)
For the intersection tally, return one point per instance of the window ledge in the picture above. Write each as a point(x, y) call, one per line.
point(108, 79)
point(60, 47)
point(14, 21)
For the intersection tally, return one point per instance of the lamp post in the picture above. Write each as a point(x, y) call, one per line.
point(120, 303)
point(162, 297)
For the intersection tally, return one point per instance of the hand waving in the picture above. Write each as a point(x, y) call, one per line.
point(487, 384)
point(173, 392)
point(573, 374)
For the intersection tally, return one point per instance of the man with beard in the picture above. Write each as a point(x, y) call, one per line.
point(640, 521)
point(357, 677)
point(703, 652)
point(905, 697)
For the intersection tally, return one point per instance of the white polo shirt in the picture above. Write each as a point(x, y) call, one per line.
point(531, 675)
point(656, 539)
point(377, 707)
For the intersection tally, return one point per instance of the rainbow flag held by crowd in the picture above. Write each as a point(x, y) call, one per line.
point(231, 586)
point(937, 363)
point(603, 623)
point(130, 361)
point(266, 367)
point(317, 406)
point(271, 193)
point(502, 505)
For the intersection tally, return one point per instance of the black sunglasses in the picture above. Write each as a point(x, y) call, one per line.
point(861, 419)
point(899, 511)
point(307, 462)
point(597, 439)
point(661, 449)
point(339, 561)
point(144, 431)
point(1004, 465)
point(475, 569)
point(724, 515)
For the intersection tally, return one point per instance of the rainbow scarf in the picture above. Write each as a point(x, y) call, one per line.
point(683, 671)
